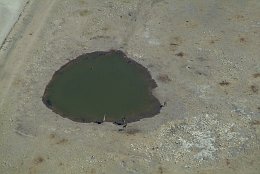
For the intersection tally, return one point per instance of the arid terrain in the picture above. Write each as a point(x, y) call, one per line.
point(203, 55)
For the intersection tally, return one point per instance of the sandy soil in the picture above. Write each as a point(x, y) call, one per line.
point(9, 14)
point(204, 56)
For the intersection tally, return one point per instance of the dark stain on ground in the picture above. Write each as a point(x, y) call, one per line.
point(58, 140)
point(242, 40)
point(173, 47)
point(180, 54)
point(62, 141)
point(256, 75)
point(174, 44)
point(178, 40)
point(213, 41)
point(38, 160)
point(160, 170)
point(52, 135)
point(164, 78)
point(254, 89)
point(255, 122)
point(239, 17)
point(224, 83)
point(155, 148)
point(227, 162)
point(200, 73)
point(99, 37)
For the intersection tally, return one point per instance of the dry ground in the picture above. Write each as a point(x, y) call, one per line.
point(204, 56)
point(9, 13)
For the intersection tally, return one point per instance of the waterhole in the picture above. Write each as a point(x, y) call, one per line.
point(102, 86)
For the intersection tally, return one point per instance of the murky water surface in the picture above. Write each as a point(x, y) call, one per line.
point(102, 84)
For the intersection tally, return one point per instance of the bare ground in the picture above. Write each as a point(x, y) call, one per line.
point(204, 57)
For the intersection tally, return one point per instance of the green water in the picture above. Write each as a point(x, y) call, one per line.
point(102, 83)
